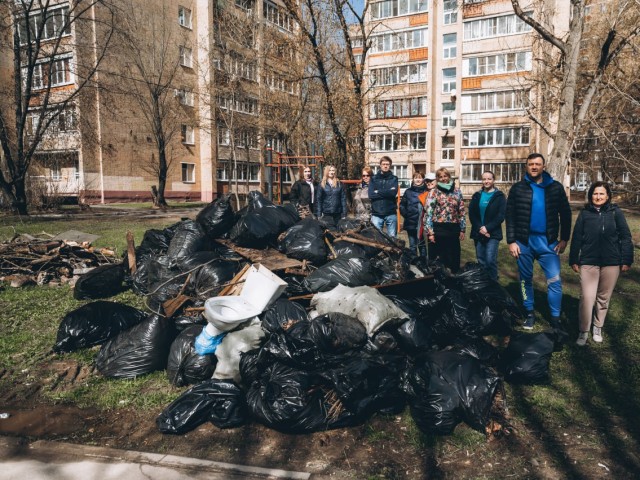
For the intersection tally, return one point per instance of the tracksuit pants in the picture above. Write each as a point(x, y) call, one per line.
point(538, 249)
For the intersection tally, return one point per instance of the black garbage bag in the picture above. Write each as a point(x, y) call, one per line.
point(490, 321)
point(526, 358)
point(294, 401)
point(372, 234)
point(93, 324)
point(454, 318)
point(476, 347)
point(250, 367)
point(295, 285)
point(188, 239)
point(139, 350)
point(102, 282)
point(347, 223)
point(336, 332)
point(163, 283)
point(366, 384)
point(182, 322)
point(208, 280)
point(184, 365)
point(223, 251)
point(305, 241)
point(262, 222)
point(445, 388)
point(348, 249)
point(154, 243)
point(197, 259)
point(282, 315)
point(140, 278)
point(414, 336)
point(348, 271)
point(217, 218)
point(220, 402)
point(381, 342)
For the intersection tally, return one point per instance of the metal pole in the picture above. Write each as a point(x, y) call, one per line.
point(270, 173)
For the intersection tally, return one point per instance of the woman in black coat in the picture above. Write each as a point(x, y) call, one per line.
point(304, 190)
point(486, 214)
point(332, 198)
point(411, 210)
point(601, 248)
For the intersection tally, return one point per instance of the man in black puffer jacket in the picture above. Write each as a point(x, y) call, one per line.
point(537, 210)
point(383, 193)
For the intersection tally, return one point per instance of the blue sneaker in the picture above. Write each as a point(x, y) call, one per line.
point(529, 321)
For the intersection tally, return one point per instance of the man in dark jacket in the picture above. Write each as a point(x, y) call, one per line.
point(383, 193)
point(537, 211)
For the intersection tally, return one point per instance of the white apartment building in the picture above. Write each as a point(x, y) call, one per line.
point(450, 85)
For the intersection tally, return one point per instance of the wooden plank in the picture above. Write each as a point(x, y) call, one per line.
point(270, 258)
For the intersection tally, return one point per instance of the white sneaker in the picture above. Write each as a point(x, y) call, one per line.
point(597, 334)
point(582, 339)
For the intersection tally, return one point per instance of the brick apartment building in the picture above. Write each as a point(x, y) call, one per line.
point(224, 81)
point(450, 85)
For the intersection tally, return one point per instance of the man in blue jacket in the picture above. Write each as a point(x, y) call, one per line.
point(383, 193)
point(537, 210)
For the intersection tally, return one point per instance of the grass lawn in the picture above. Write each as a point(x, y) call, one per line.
point(585, 417)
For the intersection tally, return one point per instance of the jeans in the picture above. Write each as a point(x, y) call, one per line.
point(487, 255)
point(416, 245)
point(539, 249)
point(391, 221)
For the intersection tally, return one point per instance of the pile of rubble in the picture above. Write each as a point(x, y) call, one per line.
point(362, 327)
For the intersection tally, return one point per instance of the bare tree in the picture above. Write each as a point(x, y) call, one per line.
point(154, 53)
point(579, 84)
point(47, 43)
point(331, 30)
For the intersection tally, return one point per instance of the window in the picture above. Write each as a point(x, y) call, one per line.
point(449, 42)
point(188, 172)
point(239, 104)
point(495, 27)
point(243, 170)
point(63, 121)
point(45, 24)
point(275, 81)
point(448, 115)
point(357, 42)
point(412, 73)
point(185, 97)
point(494, 101)
point(188, 136)
point(390, 41)
point(186, 57)
point(245, 4)
point(56, 72)
point(496, 137)
point(626, 177)
point(500, 63)
point(448, 149)
point(450, 8)
point(504, 172)
point(394, 8)
point(184, 17)
point(237, 65)
point(388, 142)
point(400, 107)
point(276, 16)
point(448, 80)
point(55, 171)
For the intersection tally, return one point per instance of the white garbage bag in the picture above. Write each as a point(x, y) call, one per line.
point(236, 342)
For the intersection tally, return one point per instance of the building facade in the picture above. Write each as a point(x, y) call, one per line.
point(451, 82)
point(218, 96)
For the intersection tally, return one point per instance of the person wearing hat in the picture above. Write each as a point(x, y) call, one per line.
point(424, 198)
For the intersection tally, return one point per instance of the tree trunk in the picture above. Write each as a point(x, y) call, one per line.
point(19, 201)
point(159, 201)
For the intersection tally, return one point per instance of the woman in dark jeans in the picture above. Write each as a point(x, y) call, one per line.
point(411, 211)
point(486, 214)
point(601, 248)
point(332, 198)
point(445, 221)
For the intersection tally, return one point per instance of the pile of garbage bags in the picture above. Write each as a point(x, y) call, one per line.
point(350, 353)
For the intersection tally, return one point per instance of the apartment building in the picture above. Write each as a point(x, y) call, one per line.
point(223, 79)
point(450, 85)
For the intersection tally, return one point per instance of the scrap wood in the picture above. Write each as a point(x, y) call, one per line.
point(173, 304)
point(270, 258)
point(131, 252)
point(360, 240)
point(231, 287)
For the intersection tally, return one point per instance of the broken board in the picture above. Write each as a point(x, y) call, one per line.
point(270, 258)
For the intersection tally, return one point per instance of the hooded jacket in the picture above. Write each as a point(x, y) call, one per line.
point(493, 215)
point(519, 208)
point(411, 206)
point(383, 192)
point(601, 238)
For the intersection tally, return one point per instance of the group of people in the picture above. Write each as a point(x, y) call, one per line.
point(538, 228)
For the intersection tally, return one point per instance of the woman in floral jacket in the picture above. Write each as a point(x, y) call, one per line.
point(445, 221)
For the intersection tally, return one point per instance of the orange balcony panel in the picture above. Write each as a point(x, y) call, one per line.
point(357, 50)
point(471, 83)
point(418, 54)
point(390, 55)
point(417, 123)
point(471, 153)
point(420, 19)
point(472, 10)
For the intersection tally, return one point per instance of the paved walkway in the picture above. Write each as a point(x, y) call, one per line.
point(43, 460)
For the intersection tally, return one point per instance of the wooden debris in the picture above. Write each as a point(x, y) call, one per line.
point(270, 258)
point(131, 252)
